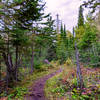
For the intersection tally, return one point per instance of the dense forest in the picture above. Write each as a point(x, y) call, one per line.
point(37, 54)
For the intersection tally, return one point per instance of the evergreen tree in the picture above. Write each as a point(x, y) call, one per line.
point(62, 31)
point(30, 10)
point(15, 22)
point(80, 17)
point(63, 34)
point(48, 26)
point(61, 49)
point(92, 4)
point(80, 26)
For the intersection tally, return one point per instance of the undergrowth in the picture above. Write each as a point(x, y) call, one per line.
point(64, 85)
point(20, 89)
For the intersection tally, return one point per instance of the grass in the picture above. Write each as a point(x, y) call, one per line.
point(53, 87)
point(50, 85)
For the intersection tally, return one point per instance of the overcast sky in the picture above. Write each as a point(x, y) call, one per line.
point(67, 10)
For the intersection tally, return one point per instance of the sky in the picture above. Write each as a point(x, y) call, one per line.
point(67, 10)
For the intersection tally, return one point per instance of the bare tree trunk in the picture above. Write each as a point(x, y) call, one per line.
point(8, 63)
point(16, 65)
point(32, 60)
point(7, 76)
point(79, 73)
point(11, 70)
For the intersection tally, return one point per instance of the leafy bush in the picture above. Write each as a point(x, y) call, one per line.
point(74, 82)
point(18, 93)
point(37, 63)
point(60, 90)
point(68, 62)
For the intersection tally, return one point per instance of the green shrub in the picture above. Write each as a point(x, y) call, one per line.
point(18, 93)
point(68, 62)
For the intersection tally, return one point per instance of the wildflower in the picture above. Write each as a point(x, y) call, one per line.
point(84, 93)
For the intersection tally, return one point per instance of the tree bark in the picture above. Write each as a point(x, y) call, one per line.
point(11, 70)
point(32, 60)
point(79, 73)
point(16, 65)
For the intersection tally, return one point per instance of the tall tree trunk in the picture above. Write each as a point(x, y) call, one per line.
point(11, 69)
point(8, 62)
point(40, 52)
point(32, 60)
point(16, 64)
point(6, 58)
point(79, 73)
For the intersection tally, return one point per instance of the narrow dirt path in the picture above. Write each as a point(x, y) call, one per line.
point(37, 91)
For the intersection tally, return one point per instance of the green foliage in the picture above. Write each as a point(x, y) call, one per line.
point(68, 61)
point(63, 34)
point(61, 51)
point(18, 93)
point(89, 36)
point(53, 87)
point(87, 43)
point(86, 94)
point(79, 97)
point(29, 15)
point(79, 32)
point(62, 31)
point(19, 37)
point(91, 56)
point(60, 90)
point(74, 82)
point(92, 4)
point(37, 63)
point(1, 41)
point(64, 45)
point(22, 28)
point(18, 1)
point(49, 26)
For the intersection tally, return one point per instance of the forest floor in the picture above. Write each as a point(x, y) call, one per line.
point(32, 85)
point(63, 86)
point(37, 90)
point(56, 82)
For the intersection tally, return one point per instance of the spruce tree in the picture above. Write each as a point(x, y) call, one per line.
point(15, 21)
point(64, 36)
point(80, 17)
point(92, 4)
point(62, 31)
